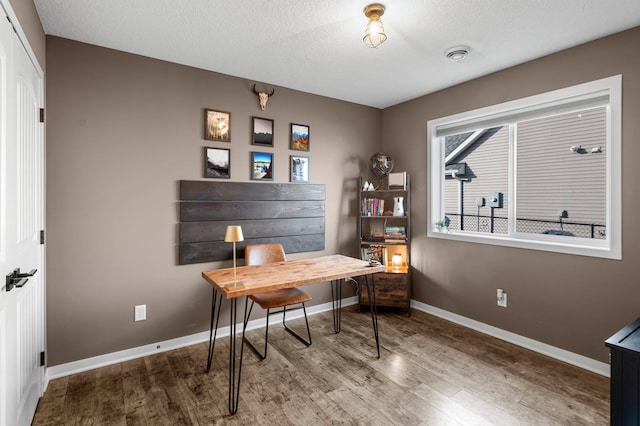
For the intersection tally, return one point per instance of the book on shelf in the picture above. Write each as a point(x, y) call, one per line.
point(372, 206)
point(394, 234)
point(394, 230)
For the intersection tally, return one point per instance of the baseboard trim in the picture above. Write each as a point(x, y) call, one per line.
point(581, 361)
point(86, 364)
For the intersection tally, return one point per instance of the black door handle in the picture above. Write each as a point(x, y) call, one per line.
point(17, 279)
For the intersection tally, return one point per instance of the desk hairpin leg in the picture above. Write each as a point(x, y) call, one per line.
point(371, 291)
point(212, 333)
point(234, 380)
point(336, 303)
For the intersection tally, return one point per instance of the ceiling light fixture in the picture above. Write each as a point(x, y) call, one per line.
point(457, 53)
point(374, 34)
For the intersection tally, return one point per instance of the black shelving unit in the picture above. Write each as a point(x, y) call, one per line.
point(393, 287)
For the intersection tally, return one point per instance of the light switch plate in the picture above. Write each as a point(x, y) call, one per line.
point(140, 313)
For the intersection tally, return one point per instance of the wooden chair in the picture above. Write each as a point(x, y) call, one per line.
point(257, 254)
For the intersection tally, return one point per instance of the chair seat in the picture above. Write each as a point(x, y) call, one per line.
point(258, 254)
point(280, 298)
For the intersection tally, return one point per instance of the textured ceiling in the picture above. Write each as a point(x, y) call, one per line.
point(316, 45)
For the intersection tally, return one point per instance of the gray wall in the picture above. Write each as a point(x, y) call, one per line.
point(122, 130)
point(571, 302)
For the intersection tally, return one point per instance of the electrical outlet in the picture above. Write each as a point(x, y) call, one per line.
point(503, 302)
point(502, 298)
point(140, 312)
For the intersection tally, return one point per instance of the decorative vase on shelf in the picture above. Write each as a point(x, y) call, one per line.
point(398, 207)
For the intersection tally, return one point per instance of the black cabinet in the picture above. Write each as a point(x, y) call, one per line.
point(625, 375)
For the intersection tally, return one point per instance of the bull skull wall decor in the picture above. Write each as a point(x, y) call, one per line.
point(263, 97)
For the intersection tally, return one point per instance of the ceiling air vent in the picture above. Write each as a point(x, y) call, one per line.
point(457, 53)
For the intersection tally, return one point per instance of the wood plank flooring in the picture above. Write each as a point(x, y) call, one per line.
point(431, 371)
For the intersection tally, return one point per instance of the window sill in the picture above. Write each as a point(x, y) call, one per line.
point(555, 244)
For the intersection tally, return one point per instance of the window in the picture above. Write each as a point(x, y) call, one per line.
point(541, 172)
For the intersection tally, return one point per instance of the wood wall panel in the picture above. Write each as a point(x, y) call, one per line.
point(240, 210)
point(290, 214)
point(197, 232)
point(198, 190)
point(219, 250)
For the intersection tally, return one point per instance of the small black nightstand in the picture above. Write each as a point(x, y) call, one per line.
point(625, 375)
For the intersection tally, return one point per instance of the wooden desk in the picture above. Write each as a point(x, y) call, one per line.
point(274, 276)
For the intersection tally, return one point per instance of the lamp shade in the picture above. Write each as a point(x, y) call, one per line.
point(233, 234)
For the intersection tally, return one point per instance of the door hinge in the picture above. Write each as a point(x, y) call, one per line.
point(42, 115)
point(42, 359)
point(42, 237)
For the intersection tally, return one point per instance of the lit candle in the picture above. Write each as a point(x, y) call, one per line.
point(396, 260)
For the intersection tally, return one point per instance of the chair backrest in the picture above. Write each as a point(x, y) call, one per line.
point(257, 254)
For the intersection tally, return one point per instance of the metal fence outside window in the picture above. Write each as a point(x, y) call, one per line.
point(500, 224)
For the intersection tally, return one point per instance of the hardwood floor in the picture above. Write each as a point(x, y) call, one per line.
point(431, 371)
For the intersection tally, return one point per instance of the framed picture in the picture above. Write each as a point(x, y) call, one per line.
point(262, 131)
point(217, 163)
point(217, 125)
point(299, 137)
point(261, 166)
point(299, 168)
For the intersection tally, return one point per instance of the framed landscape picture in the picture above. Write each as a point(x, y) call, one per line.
point(261, 166)
point(299, 168)
point(262, 131)
point(217, 125)
point(217, 163)
point(299, 137)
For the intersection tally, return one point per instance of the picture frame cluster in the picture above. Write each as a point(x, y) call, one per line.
point(217, 164)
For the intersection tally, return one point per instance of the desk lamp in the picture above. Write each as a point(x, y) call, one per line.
point(234, 234)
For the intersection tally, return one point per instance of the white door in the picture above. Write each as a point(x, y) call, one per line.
point(21, 219)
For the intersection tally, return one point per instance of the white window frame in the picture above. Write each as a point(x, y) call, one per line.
point(549, 103)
